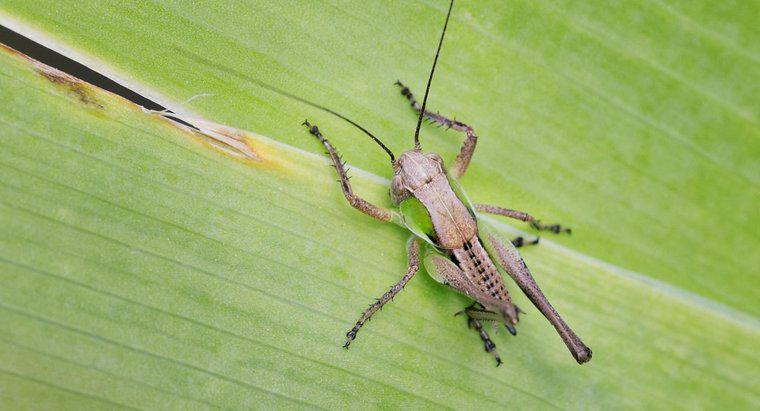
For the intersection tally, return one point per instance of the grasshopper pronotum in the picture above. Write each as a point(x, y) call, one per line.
point(457, 250)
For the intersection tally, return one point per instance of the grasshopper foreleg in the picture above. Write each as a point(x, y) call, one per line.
point(413, 252)
point(473, 321)
point(468, 147)
point(355, 201)
point(522, 216)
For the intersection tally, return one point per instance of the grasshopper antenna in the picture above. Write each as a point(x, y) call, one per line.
point(430, 79)
point(327, 110)
point(353, 123)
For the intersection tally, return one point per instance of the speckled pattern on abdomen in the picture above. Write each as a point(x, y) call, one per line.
point(480, 271)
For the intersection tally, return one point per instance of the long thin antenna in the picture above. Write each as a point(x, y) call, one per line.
point(325, 109)
point(430, 79)
point(336, 114)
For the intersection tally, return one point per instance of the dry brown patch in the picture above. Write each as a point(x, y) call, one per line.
point(82, 90)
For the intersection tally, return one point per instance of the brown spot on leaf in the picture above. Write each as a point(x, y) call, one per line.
point(229, 140)
point(79, 88)
point(82, 90)
point(234, 140)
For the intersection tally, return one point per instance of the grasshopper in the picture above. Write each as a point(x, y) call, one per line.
point(455, 248)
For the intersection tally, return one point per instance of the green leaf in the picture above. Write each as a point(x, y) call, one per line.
point(144, 265)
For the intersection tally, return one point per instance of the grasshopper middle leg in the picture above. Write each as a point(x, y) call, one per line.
point(468, 148)
point(522, 216)
point(413, 252)
point(357, 202)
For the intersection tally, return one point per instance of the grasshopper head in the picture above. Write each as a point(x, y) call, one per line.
point(413, 170)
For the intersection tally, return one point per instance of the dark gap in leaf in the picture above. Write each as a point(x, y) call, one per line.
point(73, 68)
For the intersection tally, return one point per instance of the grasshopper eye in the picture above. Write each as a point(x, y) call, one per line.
point(398, 192)
point(396, 184)
point(435, 157)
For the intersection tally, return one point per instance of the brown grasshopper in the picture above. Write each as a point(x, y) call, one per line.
point(457, 249)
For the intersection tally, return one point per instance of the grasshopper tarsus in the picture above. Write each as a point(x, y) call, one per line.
point(488, 344)
point(521, 242)
point(351, 335)
point(554, 228)
point(408, 93)
point(313, 129)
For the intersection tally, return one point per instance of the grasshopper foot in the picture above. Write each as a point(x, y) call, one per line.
point(520, 241)
point(350, 336)
point(488, 344)
point(313, 129)
point(554, 228)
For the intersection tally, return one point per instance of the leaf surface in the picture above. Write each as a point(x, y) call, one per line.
point(144, 267)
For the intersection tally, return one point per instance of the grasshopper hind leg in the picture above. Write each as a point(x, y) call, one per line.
point(510, 261)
